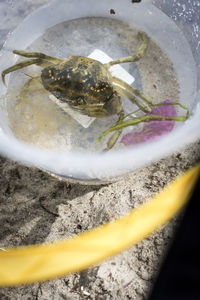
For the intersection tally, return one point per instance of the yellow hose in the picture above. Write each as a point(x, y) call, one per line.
point(41, 262)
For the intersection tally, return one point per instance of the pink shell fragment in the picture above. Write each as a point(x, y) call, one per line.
point(152, 130)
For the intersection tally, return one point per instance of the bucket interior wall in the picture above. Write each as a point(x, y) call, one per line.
point(186, 15)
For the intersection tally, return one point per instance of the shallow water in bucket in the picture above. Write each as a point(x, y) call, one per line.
point(167, 71)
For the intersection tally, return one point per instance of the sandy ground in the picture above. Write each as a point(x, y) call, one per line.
point(35, 208)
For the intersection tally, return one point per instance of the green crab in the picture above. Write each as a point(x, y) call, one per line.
point(88, 86)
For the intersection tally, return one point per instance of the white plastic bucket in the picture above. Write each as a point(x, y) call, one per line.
point(172, 30)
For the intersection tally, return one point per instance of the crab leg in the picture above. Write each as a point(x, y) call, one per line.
point(23, 64)
point(114, 137)
point(37, 55)
point(133, 90)
point(132, 98)
point(141, 52)
point(146, 118)
point(146, 99)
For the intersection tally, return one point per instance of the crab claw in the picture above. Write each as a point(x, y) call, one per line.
point(3, 78)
